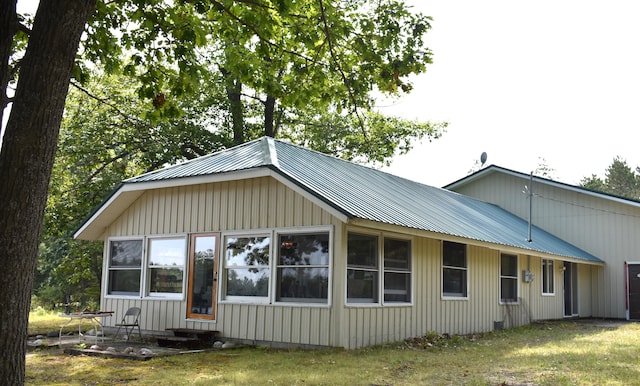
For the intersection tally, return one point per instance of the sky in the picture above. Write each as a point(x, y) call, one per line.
point(527, 82)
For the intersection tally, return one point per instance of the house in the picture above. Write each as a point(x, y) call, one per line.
point(601, 224)
point(271, 243)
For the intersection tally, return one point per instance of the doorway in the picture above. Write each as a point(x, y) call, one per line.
point(633, 290)
point(203, 276)
point(570, 289)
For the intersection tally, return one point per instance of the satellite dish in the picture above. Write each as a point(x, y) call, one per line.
point(483, 158)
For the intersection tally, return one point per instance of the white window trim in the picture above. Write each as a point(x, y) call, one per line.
point(553, 279)
point(380, 269)
point(222, 270)
point(274, 264)
point(145, 262)
point(106, 266)
point(453, 297)
point(517, 277)
point(144, 285)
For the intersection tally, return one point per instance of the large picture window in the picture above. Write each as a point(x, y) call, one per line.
point(303, 268)
point(247, 267)
point(454, 269)
point(508, 278)
point(365, 274)
point(125, 267)
point(547, 277)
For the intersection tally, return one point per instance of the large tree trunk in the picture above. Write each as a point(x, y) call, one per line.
point(233, 87)
point(26, 161)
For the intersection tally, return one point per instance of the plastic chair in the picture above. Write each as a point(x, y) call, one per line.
point(130, 321)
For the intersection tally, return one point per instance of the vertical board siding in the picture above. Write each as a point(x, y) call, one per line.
point(431, 312)
point(601, 226)
point(258, 203)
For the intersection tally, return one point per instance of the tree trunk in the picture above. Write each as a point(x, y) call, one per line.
point(233, 88)
point(26, 161)
point(269, 116)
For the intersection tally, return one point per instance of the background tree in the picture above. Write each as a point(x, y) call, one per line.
point(620, 180)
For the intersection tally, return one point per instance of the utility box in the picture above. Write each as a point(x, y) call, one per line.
point(527, 276)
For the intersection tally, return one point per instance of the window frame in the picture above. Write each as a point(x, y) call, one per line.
point(548, 277)
point(380, 270)
point(515, 277)
point(145, 277)
point(148, 268)
point(276, 266)
point(464, 269)
point(225, 269)
point(108, 269)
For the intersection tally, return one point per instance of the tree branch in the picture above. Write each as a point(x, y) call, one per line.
point(345, 80)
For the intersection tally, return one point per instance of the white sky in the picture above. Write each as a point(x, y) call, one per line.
point(524, 80)
point(557, 80)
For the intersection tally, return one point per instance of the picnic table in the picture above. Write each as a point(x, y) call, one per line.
point(94, 317)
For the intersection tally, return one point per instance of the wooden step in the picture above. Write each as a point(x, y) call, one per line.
point(204, 335)
point(180, 342)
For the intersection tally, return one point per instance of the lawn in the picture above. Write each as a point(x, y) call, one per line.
point(555, 353)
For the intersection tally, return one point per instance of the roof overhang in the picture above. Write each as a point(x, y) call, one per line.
point(127, 193)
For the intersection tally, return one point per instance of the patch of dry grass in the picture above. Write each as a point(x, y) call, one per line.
point(543, 354)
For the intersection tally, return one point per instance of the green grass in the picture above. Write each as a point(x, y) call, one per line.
point(559, 353)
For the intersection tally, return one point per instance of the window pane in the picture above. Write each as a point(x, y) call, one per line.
point(509, 265)
point(362, 286)
point(547, 276)
point(454, 282)
point(247, 251)
point(203, 266)
point(454, 254)
point(124, 282)
point(165, 280)
point(303, 284)
point(167, 252)
point(397, 253)
point(248, 282)
point(304, 249)
point(509, 290)
point(362, 250)
point(126, 253)
point(397, 287)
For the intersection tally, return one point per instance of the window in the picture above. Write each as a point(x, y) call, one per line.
point(303, 268)
point(165, 264)
point(397, 270)
point(547, 277)
point(508, 278)
point(454, 269)
point(364, 274)
point(124, 265)
point(158, 272)
point(362, 268)
point(247, 266)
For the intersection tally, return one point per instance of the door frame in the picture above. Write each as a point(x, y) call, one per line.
point(191, 278)
point(570, 289)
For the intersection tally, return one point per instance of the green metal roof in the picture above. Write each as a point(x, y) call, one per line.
point(365, 193)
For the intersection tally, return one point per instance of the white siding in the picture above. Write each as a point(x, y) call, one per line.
point(603, 227)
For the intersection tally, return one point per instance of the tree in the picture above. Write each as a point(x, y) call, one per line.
point(620, 180)
point(293, 60)
point(27, 155)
